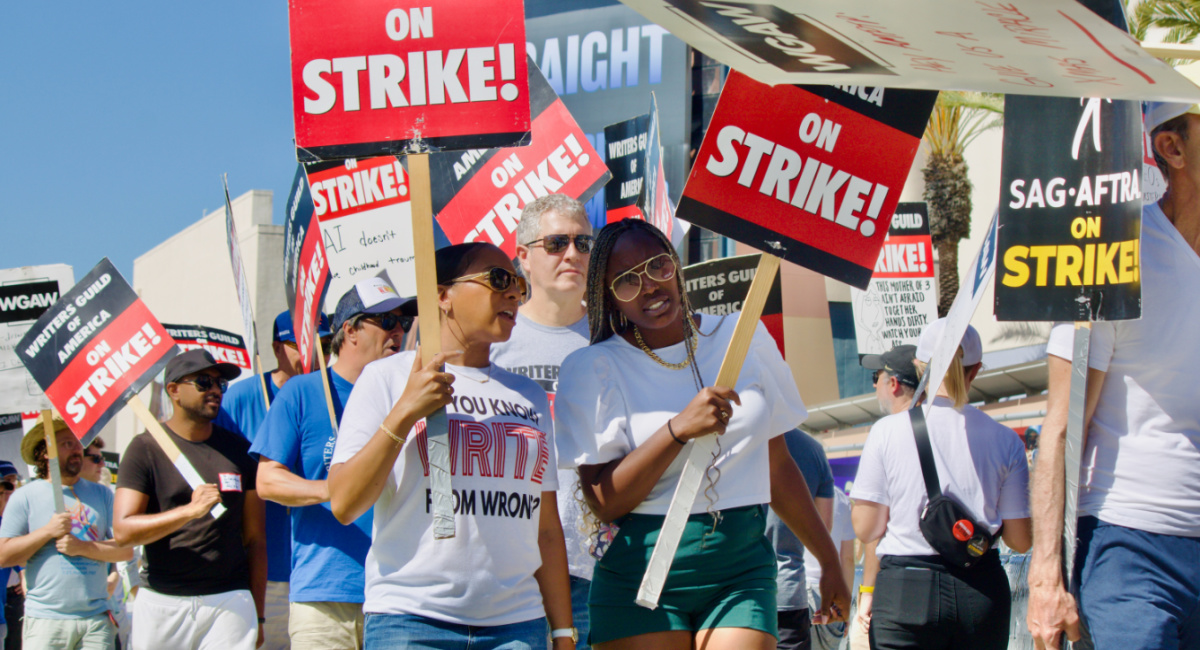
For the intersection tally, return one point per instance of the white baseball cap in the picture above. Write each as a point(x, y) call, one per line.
point(971, 344)
point(371, 296)
point(1158, 113)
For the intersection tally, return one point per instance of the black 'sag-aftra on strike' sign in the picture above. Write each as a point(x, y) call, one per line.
point(1070, 210)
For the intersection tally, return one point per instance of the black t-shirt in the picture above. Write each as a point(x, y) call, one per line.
point(206, 556)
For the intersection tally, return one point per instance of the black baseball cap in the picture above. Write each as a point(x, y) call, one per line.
point(897, 362)
point(196, 360)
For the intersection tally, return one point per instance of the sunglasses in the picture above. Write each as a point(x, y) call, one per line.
point(496, 279)
point(875, 377)
point(326, 345)
point(205, 383)
point(95, 458)
point(628, 285)
point(555, 244)
point(387, 321)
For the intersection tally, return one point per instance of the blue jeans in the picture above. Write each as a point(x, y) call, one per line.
point(579, 610)
point(1138, 590)
point(396, 631)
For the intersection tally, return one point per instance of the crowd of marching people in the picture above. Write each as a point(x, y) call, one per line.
point(571, 384)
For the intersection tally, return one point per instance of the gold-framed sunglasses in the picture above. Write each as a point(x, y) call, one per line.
point(628, 285)
point(497, 279)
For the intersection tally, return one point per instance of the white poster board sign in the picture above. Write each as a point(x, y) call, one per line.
point(901, 299)
point(25, 293)
point(1030, 47)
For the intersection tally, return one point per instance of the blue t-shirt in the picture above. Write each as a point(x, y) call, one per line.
point(62, 586)
point(243, 411)
point(327, 557)
point(791, 589)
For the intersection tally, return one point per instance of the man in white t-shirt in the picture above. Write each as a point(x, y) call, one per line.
point(554, 239)
point(1136, 572)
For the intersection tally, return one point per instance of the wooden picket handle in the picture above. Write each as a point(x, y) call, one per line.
point(169, 448)
point(702, 448)
point(437, 425)
point(52, 459)
point(328, 392)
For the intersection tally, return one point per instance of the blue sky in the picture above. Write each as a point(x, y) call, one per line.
point(118, 120)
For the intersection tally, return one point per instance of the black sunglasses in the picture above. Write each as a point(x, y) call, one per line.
point(555, 244)
point(496, 278)
point(387, 321)
point(95, 458)
point(205, 383)
point(875, 377)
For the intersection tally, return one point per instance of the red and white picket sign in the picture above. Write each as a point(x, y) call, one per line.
point(371, 77)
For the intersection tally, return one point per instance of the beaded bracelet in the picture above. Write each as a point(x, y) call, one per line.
point(392, 434)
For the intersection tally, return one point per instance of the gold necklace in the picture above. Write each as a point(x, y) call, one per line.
point(479, 381)
point(637, 334)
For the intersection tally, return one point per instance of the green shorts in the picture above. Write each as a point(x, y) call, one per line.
point(720, 578)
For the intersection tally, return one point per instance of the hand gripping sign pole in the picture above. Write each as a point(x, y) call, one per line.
point(52, 459)
point(437, 426)
point(181, 462)
point(702, 448)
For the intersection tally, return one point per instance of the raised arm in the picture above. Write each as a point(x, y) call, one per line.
point(355, 485)
point(615, 488)
point(132, 527)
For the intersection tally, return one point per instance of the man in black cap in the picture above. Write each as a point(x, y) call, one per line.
point(895, 379)
point(205, 578)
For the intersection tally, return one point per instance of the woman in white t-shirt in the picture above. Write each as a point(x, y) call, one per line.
point(628, 404)
point(504, 573)
point(920, 600)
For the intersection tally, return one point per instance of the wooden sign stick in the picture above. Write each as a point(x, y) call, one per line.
point(263, 377)
point(328, 392)
point(52, 459)
point(169, 448)
point(702, 448)
point(437, 426)
point(1073, 447)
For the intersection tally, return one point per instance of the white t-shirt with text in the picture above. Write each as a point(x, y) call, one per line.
point(980, 462)
point(502, 459)
point(1141, 464)
point(612, 397)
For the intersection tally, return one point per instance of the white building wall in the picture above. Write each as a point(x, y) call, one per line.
point(188, 279)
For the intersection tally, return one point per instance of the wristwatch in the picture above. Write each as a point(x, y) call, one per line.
point(565, 632)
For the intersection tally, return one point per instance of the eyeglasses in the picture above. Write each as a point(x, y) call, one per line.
point(95, 458)
point(628, 285)
point(497, 279)
point(875, 377)
point(555, 244)
point(387, 321)
point(326, 345)
point(205, 383)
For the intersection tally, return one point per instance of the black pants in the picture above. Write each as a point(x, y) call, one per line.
point(795, 629)
point(921, 603)
point(14, 610)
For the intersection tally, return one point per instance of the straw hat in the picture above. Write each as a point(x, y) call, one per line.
point(34, 435)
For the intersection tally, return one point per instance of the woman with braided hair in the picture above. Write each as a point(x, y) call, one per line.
point(627, 406)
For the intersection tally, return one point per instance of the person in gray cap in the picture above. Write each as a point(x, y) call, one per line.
point(65, 554)
point(895, 380)
point(243, 410)
point(1136, 576)
point(294, 447)
point(205, 578)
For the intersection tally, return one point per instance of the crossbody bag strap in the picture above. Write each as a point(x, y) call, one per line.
point(925, 452)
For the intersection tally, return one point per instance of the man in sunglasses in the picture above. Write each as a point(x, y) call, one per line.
point(243, 411)
point(294, 446)
point(554, 243)
point(205, 578)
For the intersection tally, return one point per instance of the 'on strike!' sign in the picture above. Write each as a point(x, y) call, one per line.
point(814, 182)
point(373, 77)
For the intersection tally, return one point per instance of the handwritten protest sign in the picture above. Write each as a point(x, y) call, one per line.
point(1035, 47)
point(365, 212)
point(25, 294)
point(901, 299)
point(811, 174)
point(478, 195)
point(1070, 217)
point(372, 77)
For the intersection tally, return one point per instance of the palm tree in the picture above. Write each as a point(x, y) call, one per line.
point(958, 118)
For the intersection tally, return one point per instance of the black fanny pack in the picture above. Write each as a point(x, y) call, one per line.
point(945, 523)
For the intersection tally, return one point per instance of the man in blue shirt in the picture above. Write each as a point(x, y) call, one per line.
point(243, 410)
point(66, 555)
point(294, 447)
